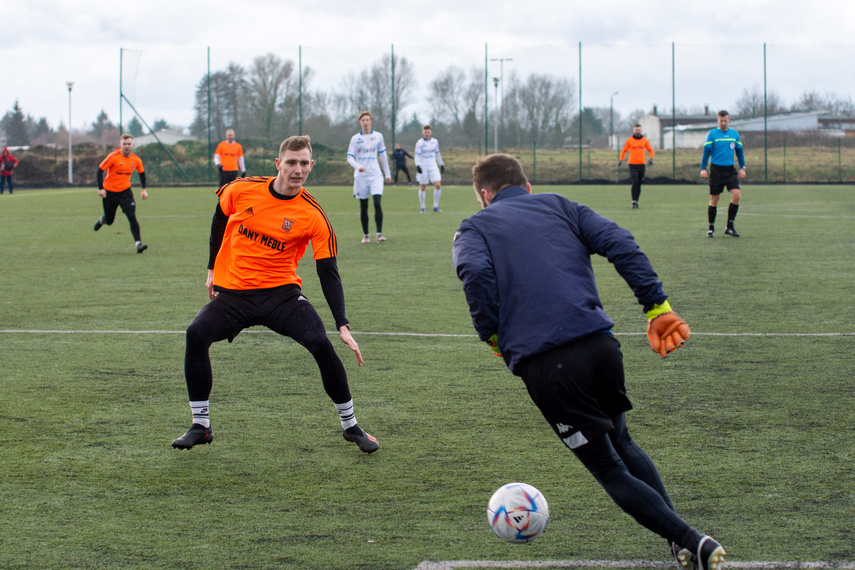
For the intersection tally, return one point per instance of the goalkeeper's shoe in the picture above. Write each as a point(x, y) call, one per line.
point(196, 435)
point(731, 231)
point(709, 556)
point(366, 442)
point(683, 556)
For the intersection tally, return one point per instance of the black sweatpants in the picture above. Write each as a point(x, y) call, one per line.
point(636, 174)
point(125, 200)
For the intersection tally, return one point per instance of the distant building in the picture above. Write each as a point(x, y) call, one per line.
point(691, 130)
point(166, 136)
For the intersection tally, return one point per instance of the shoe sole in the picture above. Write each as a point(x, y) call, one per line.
point(713, 561)
point(142, 249)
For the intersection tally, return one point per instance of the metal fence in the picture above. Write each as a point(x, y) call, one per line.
point(616, 84)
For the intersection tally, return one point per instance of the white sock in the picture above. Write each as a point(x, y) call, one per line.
point(422, 199)
point(346, 415)
point(436, 194)
point(200, 412)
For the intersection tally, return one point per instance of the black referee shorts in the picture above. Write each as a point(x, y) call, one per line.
point(721, 177)
point(579, 387)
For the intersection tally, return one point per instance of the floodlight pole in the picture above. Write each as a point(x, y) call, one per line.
point(70, 84)
point(502, 61)
point(612, 118)
point(496, 128)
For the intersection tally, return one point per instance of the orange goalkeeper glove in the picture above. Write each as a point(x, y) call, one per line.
point(665, 329)
point(494, 345)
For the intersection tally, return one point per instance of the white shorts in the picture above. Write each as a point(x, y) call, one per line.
point(363, 186)
point(428, 175)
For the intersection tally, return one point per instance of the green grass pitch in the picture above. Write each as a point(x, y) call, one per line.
point(750, 423)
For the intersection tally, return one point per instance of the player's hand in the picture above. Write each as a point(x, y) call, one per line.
point(619, 163)
point(102, 192)
point(742, 172)
point(666, 330)
point(704, 173)
point(418, 169)
point(494, 345)
point(388, 181)
point(344, 332)
point(243, 174)
point(144, 194)
point(442, 169)
point(209, 284)
point(361, 169)
point(220, 167)
point(649, 162)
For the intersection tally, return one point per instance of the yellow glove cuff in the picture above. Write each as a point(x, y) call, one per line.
point(659, 310)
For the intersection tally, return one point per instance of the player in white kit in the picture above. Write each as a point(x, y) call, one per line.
point(429, 167)
point(365, 148)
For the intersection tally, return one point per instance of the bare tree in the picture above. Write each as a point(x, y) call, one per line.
point(272, 91)
point(228, 101)
point(372, 91)
point(539, 109)
point(814, 101)
point(752, 104)
point(454, 97)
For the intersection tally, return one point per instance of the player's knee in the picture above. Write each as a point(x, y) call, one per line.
point(197, 335)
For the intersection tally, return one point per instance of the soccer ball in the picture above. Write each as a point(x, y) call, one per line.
point(517, 512)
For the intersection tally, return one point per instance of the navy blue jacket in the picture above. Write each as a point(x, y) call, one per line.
point(400, 156)
point(525, 263)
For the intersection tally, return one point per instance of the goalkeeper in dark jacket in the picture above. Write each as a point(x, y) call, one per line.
point(533, 297)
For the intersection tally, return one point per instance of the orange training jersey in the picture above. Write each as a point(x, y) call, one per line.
point(636, 149)
point(118, 170)
point(229, 154)
point(267, 234)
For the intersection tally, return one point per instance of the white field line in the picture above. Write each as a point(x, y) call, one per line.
point(424, 335)
point(453, 564)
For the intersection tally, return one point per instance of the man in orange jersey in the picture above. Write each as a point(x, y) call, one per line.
point(636, 145)
point(229, 159)
point(114, 187)
point(260, 230)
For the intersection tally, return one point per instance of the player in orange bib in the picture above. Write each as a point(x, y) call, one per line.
point(636, 145)
point(229, 159)
point(260, 231)
point(114, 187)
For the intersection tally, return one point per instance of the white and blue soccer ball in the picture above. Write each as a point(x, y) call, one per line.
point(517, 512)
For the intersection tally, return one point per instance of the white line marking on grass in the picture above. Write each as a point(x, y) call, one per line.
point(425, 335)
point(452, 564)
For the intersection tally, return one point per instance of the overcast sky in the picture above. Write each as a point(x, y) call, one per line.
point(626, 48)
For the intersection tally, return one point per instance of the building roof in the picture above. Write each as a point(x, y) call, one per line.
point(166, 136)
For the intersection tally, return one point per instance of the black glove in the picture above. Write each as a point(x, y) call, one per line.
point(220, 167)
point(243, 174)
point(442, 169)
point(649, 162)
point(419, 169)
point(619, 163)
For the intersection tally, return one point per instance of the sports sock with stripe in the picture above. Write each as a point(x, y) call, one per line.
point(200, 412)
point(346, 414)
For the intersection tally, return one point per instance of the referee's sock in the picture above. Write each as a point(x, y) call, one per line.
point(731, 214)
point(200, 412)
point(346, 414)
point(711, 211)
